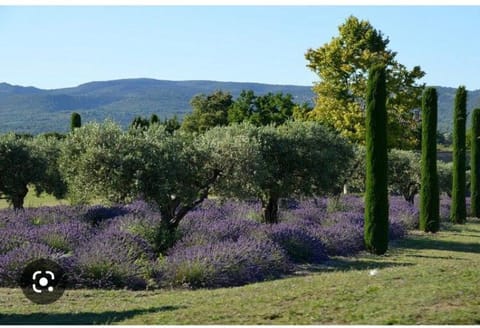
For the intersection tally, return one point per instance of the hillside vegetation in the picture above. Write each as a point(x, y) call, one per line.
point(32, 110)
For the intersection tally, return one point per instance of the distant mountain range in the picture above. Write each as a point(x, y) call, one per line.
point(33, 110)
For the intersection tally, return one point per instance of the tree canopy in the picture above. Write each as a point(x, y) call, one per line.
point(262, 110)
point(208, 111)
point(29, 162)
point(293, 159)
point(342, 66)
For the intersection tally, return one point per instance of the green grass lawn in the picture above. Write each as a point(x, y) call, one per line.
point(31, 200)
point(425, 279)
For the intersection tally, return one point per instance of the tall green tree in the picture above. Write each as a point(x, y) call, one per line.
point(29, 162)
point(139, 122)
point(75, 121)
point(342, 65)
point(174, 171)
point(171, 124)
point(475, 164)
point(458, 212)
point(262, 110)
point(154, 119)
point(376, 194)
point(294, 159)
point(208, 111)
point(429, 194)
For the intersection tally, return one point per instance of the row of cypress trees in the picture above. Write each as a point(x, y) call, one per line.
point(429, 210)
point(458, 212)
point(376, 193)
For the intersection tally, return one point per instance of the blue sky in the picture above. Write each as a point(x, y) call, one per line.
point(52, 47)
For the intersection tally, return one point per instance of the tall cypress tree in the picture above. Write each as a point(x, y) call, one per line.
point(475, 164)
point(429, 197)
point(458, 212)
point(154, 119)
point(376, 194)
point(75, 121)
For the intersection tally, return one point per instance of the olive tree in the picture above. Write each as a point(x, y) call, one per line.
point(99, 161)
point(294, 159)
point(174, 171)
point(403, 173)
point(28, 162)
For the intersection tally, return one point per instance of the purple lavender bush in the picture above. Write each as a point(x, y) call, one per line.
point(113, 258)
point(299, 244)
point(217, 244)
point(65, 236)
point(14, 261)
point(196, 232)
point(225, 263)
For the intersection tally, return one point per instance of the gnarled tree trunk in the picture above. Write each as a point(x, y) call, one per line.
point(19, 197)
point(270, 210)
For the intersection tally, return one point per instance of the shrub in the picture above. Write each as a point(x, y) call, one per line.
point(299, 245)
point(404, 213)
point(114, 259)
point(197, 232)
point(98, 213)
point(149, 227)
point(227, 263)
point(65, 236)
point(13, 262)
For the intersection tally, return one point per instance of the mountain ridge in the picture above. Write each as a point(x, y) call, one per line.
point(28, 109)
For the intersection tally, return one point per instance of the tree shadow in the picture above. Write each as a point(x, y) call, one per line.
point(347, 264)
point(438, 257)
point(466, 235)
point(442, 245)
point(83, 318)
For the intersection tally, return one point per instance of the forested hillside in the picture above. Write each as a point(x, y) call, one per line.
point(33, 110)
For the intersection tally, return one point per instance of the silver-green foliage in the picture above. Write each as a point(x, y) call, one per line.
point(403, 172)
point(294, 159)
point(174, 171)
point(28, 161)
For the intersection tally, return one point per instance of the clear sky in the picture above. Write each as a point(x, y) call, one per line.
point(52, 47)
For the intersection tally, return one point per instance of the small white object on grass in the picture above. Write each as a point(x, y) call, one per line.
point(373, 272)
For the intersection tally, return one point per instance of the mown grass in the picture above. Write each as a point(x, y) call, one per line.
point(31, 200)
point(424, 279)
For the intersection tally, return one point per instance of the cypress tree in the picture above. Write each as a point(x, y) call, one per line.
point(376, 194)
point(475, 164)
point(429, 194)
point(458, 211)
point(154, 119)
point(75, 121)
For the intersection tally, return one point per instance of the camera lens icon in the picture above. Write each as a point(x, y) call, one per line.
point(43, 281)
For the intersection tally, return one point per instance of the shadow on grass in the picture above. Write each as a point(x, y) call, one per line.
point(83, 318)
point(442, 245)
point(438, 257)
point(466, 235)
point(347, 264)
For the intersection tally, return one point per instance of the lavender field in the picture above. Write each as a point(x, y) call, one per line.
point(218, 244)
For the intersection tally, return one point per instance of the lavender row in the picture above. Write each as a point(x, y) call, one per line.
point(217, 244)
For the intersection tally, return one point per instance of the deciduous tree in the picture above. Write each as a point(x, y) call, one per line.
point(342, 65)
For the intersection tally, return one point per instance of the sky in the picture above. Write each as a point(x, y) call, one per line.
point(64, 46)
